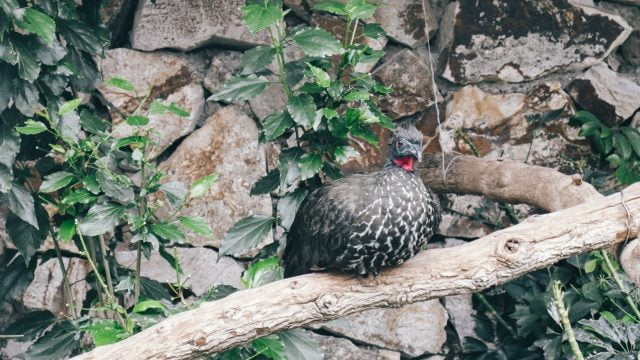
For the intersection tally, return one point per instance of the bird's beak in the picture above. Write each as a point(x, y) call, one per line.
point(417, 152)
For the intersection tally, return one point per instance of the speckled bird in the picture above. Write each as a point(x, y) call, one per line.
point(365, 222)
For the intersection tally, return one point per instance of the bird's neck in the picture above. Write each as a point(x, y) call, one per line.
point(406, 163)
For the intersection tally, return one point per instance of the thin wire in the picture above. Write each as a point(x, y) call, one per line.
point(435, 100)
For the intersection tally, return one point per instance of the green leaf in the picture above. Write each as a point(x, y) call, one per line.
point(270, 347)
point(298, 344)
point(360, 9)
point(331, 6)
point(67, 230)
point(91, 183)
point(317, 42)
point(80, 196)
point(288, 206)
point(583, 117)
point(32, 127)
point(7, 76)
point(201, 186)
point(259, 17)
point(31, 325)
point(38, 23)
point(137, 120)
point(176, 192)
point(25, 97)
point(105, 332)
point(177, 110)
point(267, 183)
point(130, 140)
point(146, 305)
point(56, 181)
point(240, 88)
point(168, 231)
point(86, 76)
point(381, 89)
point(117, 187)
point(246, 234)
point(321, 76)
point(633, 136)
point(302, 109)
point(91, 39)
point(294, 72)
point(21, 203)
point(289, 165)
point(256, 59)
point(101, 218)
point(196, 224)
point(69, 106)
point(92, 123)
point(357, 95)
point(262, 272)
point(310, 164)
point(121, 84)
point(9, 145)
point(276, 124)
point(57, 343)
point(374, 31)
point(345, 153)
point(622, 145)
point(25, 237)
point(590, 265)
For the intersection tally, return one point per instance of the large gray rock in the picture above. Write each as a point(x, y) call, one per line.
point(201, 268)
point(410, 22)
point(226, 144)
point(46, 291)
point(335, 348)
point(411, 80)
point(169, 77)
point(606, 94)
point(224, 64)
point(631, 49)
point(483, 42)
point(186, 25)
point(414, 330)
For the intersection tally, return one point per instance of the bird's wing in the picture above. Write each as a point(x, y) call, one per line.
point(325, 222)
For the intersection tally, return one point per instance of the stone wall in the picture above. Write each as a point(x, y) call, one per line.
point(496, 65)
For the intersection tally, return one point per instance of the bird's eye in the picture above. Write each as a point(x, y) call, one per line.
point(401, 144)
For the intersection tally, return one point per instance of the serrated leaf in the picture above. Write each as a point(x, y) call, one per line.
point(294, 72)
point(91, 39)
point(68, 107)
point(28, 66)
point(21, 203)
point(276, 124)
point(56, 181)
point(57, 343)
point(357, 95)
point(345, 153)
point(246, 235)
point(309, 164)
point(118, 188)
point(360, 9)
point(32, 127)
point(67, 230)
point(240, 88)
point(25, 97)
point(302, 109)
point(270, 347)
point(176, 192)
point(100, 219)
point(80, 196)
point(267, 183)
point(31, 325)
point(196, 224)
point(201, 186)
point(25, 237)
point(381, 89)
point(256, 59)
point(288, 206)
point(38, 23)
point(259, 17)
point(121, 84)
point(321, 76)
point(92, 123)
point(137, 120)
point(374, 31)
point(168, 231)
point(317, 42)
point(289, 165)
point(331, 6)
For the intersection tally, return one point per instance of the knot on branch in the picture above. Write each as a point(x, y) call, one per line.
point(512, 250)
point(327, 304)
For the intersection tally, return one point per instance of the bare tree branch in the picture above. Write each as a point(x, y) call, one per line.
point(497, 258)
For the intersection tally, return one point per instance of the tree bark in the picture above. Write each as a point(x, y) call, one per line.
point(502, 256)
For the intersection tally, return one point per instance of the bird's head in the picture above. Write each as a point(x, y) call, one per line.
point(405, 147)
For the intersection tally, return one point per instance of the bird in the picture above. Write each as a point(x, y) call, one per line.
point(362, 223)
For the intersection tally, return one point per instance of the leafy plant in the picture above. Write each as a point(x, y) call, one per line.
point(620, 146)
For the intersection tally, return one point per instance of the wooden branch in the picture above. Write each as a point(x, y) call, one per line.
point(494, 259)
point(506, 180)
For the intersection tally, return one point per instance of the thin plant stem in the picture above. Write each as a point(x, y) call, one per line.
point(138, 265)
point(495, 313)
point(353, 34)
point(621, 286)
point(105, 264)
point(558, 301)
point(67, 286)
